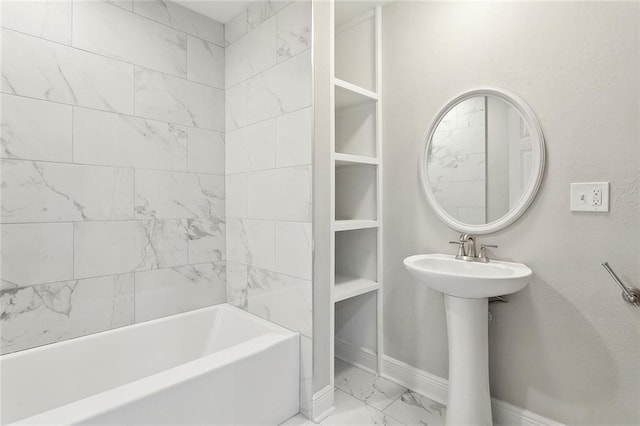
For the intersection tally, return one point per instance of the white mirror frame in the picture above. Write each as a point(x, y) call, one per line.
point(537, 166)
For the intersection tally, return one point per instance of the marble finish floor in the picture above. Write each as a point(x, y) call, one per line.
point(362, 398)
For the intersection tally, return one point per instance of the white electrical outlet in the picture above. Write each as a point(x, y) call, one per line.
point(596, 197)
point(590, 197)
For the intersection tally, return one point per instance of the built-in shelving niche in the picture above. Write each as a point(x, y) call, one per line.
point(355, 121)
point(356, 186)
point(356, 197)
point(356, 330)
point(355, 48)
point(356, 263)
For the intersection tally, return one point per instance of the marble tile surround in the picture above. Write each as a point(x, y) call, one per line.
point(47, 313)
point(152, 240)
point(458, 166)
point(41, 69)
point(112, 166)
point(49, 19)
point(101, 28)
point(268, 168)
point(268, 155)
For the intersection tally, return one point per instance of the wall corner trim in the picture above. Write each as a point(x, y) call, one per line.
point(359, 356)
point(322, 404)
point(427, 384)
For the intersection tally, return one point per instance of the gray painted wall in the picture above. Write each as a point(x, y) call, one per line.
point(567, 346)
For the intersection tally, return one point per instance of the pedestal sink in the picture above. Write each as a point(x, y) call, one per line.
point(467, 287)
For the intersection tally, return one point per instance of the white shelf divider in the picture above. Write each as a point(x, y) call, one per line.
point(347, 287)
point(348, 159)
point(350, 225)
point(350, 95)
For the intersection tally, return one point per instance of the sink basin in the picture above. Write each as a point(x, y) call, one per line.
point(467, 287)
point(473, 280)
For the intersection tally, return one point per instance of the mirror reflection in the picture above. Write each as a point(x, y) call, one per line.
point(479, 160)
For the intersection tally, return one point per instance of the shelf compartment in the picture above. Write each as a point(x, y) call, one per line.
point(349, 159)
point(355, 122)
point(356, 325)
point(355, 48)
point(356, 192)
point(347, 287)
point(356, 254)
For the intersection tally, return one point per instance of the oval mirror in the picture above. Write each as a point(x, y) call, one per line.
point(483, 161)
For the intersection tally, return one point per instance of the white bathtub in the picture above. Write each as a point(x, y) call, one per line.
point(217, 365)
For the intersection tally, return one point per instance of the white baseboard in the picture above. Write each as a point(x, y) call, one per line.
point(426, 384)
point(322, 404)
point(359, 356)
point(507, 414)
point(434, 387)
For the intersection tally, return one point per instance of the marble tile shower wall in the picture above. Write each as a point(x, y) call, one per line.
point(268, 168)
point(457, 166)
point(112, 166)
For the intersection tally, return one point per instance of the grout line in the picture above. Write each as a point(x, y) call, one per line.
point(73, 115)
point(187, 136)
point(133, 87)
point(186, 57)
point(246, 11)
point(263, 220)
point(227, 131)
point(382, 410)
point(177, 29)
point(73, 250)
point(256, 219)
point(308, 280)
point(275, 243)
point(266, 69)
point(116, 167)
point(117, 274)
point(116, 112)
point(71, 22)
point(134, 298)
point(295, 166)
point(113, 58)
point(118, 5)
point(393, 400)
point(133, 194)
point(110, 221)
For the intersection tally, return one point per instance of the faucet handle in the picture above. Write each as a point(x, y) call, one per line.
point(482, 257)
point(461, 252)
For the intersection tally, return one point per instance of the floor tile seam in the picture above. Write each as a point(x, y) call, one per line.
point(394, 400)
point(364, 403)
point(386, 414)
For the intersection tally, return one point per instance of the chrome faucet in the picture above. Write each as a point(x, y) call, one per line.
point(467, 249)
point(471, 244)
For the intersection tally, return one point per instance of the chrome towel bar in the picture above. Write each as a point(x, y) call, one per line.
point(629, 294)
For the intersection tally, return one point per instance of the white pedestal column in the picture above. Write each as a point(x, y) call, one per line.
point(469, 401)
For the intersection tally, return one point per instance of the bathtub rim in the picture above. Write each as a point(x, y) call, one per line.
point(277, 328)
point(84, 408)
